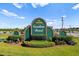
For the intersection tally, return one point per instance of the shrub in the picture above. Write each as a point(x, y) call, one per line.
point(59, 42)
point(2, 40)
point(55, 38)
point(63, 40)
point(71, 43)
point(23, 44)
point(50, 39)
point(21, 38)
point(13, 39)
point(69, 40)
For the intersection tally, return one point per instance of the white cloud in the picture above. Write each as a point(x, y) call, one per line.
point(50, 23)
point(7, 13)
point(64, 16)
point(53, 23)
point(22, 17)
point(18, 5)
point(35, 5)
point(10, 14)
point(75, 7)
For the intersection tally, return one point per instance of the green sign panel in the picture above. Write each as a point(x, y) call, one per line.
point(49, 33)
point(62, 33)
point(38, 27)
point(27, 34)
point(16, 33)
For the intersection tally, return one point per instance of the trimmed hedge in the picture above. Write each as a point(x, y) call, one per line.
point(39, 44)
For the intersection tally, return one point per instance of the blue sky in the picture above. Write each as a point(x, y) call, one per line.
point(19, 15)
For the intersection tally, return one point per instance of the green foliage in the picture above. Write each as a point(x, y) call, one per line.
point(2, 40)
point(40, 44)
point(68, 38)
point(50, 39)
point(59, 50)
point(21, 38)
point(55, 38)
point(13, 38)
point(61, 39)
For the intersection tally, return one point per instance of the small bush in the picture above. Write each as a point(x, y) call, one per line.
point(63, 40)
point(57, 42)
point(50, 39)
point(21, 38)
point(69, 40)
point(71, 43)
point(2, 40)
point(11, 39)
point(23, 44)
point(55, 38)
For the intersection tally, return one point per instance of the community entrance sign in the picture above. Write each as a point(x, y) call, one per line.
point(38, 27)
point(38, 31)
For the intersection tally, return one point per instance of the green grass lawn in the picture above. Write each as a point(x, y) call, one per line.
point(4, 36)
point(60, 50)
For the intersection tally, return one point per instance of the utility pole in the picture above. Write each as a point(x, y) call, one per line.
point(62, 21)
point(70, 29)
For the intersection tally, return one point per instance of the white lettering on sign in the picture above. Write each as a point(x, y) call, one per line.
point(38, 30)
point(39, 26)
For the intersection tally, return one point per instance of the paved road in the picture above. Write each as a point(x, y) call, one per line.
point(75, 34)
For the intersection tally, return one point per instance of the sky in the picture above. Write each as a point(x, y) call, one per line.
point(20, 15)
